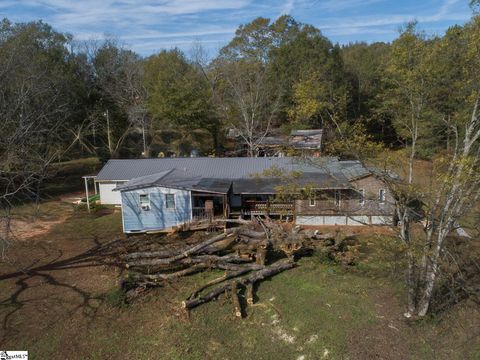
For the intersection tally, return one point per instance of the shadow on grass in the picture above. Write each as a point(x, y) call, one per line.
point(30, 277)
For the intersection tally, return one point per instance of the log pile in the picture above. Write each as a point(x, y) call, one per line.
point(248, 253)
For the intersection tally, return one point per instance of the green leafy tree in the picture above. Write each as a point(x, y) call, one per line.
point(409, 89)
point(365, 70)
point(179, 100)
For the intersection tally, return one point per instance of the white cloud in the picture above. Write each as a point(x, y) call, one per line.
point(145, 22)
point(147, 25)
point(355, 23)
point(288, 7)
point(163, 35)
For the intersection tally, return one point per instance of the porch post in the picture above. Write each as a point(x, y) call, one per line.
point(86, 192)
point(225, 210)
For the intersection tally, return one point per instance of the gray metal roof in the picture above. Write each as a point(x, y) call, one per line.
point(178, 179)
point(226, 168)
point(270, 185)
point(351, 169)
point(143, 181)
point(220, 168)
point(243, 174)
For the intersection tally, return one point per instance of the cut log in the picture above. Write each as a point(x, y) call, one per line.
point(261, 255)
point(237, 309)
point(241, 252)
point(228, 275)
point(268, 271)
point(151, 254)
point(190, 251)
point(206, 259)
point(190, 304)
point(235, 221)
point(249, 294)
point(222, 245)
point(251, 233)
point(169, 276)
point(251, 279)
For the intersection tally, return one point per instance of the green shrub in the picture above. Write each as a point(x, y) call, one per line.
point(116, 298)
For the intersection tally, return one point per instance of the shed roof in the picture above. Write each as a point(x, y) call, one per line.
point(311, 132)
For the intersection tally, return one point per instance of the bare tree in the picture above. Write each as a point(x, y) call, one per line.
point(118, 73)
point(457, 190)
point(248, 102)
point(35, 102)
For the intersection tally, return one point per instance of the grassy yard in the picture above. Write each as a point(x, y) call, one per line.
point(64, 305)
point(67, 176)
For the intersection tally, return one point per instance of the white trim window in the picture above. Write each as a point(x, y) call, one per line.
point(312, 202)
point(381, 196)
point(362, 196)
point(144, 201)
point(170, 201)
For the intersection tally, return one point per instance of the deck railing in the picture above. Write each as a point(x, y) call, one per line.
point(199, 213)
point(270, 208)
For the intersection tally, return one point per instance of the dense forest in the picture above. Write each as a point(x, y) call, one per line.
point(64, 99)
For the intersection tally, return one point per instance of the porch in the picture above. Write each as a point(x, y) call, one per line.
point(209, 206)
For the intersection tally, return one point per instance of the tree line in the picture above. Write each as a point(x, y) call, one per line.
point(71, 99)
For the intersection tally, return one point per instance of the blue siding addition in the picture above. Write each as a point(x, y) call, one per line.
point(158, 217)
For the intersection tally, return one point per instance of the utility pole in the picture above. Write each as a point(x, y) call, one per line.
point(108, 132)
point(144, 144)
point(86, 192)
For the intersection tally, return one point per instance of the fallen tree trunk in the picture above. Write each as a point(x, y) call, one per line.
point(251, 279)
point(249, 294)
point(241, 252)
point(192, 250)
point(215, 244)
point(207, 259)
point(237, 309)
point(151, 254)
point(188, 271)
point(234, 221)
point(227, 276)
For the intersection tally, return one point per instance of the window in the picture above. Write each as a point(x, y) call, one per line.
point(312, 201)
point(362, 196)
point(145, 201)
point(381, 195)
point(170, 201)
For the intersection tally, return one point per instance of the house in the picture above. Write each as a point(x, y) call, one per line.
point(305, 142)
point(158, 194)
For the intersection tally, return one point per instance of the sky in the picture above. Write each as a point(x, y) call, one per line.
point(148, 26)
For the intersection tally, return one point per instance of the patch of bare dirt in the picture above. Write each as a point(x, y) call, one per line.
point(53, 282)
point(386, 339)
point(26, 230)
